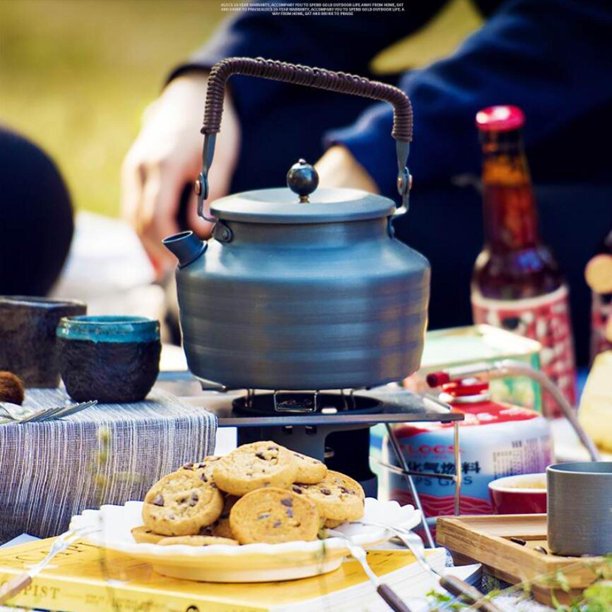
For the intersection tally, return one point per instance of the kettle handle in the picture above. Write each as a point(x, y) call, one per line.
point(320, 78)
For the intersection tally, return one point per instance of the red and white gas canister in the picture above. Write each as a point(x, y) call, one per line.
point(496, 439)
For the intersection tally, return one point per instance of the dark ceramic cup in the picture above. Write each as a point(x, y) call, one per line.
point(28, 344)
point(108, 358)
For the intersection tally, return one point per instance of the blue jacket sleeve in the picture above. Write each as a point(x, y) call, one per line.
point(336, 43)
point(553, 58)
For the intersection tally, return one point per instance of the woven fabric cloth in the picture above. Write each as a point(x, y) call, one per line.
point(109, 453)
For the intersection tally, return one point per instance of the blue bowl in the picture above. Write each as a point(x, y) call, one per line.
point(108, 358)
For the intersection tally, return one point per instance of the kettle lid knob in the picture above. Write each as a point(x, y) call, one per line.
point(302, 179)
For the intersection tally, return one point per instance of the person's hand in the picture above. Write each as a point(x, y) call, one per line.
point(338, 168)
point(167, 155)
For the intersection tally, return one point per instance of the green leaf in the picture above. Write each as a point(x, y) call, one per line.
point(598, 597)
point(562, 581)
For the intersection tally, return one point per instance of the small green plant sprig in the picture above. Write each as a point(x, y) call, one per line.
point(98, 468)
point(596, 598)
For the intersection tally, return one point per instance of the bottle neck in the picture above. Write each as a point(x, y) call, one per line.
point(510, 216)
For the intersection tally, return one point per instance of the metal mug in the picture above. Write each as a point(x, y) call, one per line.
point(580, 508)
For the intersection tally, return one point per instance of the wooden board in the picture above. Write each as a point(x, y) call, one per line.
point(486, 539)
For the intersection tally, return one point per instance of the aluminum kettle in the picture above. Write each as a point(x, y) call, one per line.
point(300, 288)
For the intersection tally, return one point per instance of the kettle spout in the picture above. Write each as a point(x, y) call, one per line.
point(186, 246)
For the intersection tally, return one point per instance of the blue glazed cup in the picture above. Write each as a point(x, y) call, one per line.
point(108, 358)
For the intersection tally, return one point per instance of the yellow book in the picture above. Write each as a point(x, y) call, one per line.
point(86, 578)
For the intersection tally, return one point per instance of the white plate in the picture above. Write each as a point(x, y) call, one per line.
point(248, 563)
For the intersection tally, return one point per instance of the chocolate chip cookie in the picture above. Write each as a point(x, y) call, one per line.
point(337, 497)
point(253, 466)
point(274, 515)
point(310, 471)
point(143, 535)
point(203, 469)
point(197, 540)
point(221, 527)
point(181, 504)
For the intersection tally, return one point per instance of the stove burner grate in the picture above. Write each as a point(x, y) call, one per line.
point(281, 403)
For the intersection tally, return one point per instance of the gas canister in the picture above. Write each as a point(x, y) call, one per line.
point(496, 439)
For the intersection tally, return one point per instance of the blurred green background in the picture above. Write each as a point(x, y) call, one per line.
point(76, 75)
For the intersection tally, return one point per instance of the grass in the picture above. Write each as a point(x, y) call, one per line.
point(76, 75)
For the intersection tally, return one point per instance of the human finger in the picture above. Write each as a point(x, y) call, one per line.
point(158, 210)
point(132, 179)
point(200, 226)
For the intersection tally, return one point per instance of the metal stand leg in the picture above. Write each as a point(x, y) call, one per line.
point(458, 473)
point(417, 500)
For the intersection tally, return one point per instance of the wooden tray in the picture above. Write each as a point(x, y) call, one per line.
point(486, 539)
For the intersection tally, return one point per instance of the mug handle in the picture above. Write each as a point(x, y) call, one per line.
point(320, 78)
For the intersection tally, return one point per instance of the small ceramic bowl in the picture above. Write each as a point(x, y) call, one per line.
point(108, 358)
point(520, 494)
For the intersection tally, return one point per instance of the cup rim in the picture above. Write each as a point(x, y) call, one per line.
point(498, 484)
point(107, 320)
point(108, 328)
point(38, 300)
point(583, 468)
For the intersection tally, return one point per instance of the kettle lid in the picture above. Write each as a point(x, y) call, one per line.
point(301, 203)
point(281, 205)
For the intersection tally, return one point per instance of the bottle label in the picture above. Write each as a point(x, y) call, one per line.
point(498, 440)
point(546, 319)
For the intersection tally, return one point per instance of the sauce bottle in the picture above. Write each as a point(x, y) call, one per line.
point(516, 282)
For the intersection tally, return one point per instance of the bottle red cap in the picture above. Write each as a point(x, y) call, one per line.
point(501, 118)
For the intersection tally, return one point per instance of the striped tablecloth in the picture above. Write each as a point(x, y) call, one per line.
point(109, 453)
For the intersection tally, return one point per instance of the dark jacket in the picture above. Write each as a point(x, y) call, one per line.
point(553, 58)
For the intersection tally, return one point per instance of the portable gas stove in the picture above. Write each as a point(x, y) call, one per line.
point(333, 426)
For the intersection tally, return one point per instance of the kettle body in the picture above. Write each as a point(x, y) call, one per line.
point(283, 301)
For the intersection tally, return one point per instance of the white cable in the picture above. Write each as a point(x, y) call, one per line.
point(511, 368)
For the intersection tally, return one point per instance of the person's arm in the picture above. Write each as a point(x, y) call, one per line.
point(553, 58)
point(165, 157)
